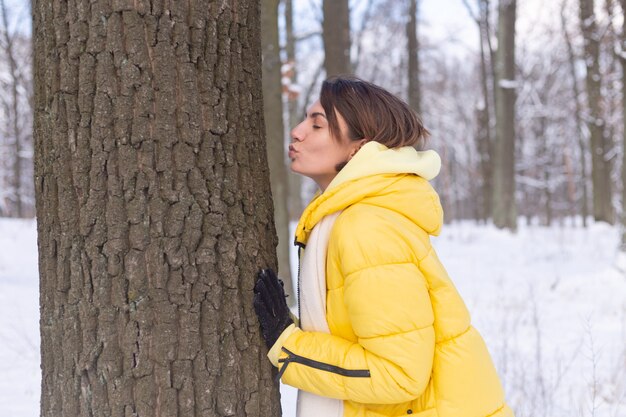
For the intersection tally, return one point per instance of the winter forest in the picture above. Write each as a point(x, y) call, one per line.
point(109, 176)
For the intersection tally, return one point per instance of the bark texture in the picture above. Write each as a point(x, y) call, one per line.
point(336, 27)
point(504, 207)
point(154, 208)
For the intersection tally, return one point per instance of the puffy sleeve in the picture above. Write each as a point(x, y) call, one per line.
point(388, 304)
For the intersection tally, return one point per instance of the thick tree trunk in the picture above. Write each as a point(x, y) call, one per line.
point(504, 207)
point(336, 27)
point(154, 208)
point(275, 133)
point(600, 172)
point(413, 54)
point(578, 118)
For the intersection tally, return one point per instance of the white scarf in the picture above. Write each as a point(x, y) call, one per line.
point(312, 282)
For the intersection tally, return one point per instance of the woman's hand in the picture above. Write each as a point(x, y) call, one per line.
point(270, 306)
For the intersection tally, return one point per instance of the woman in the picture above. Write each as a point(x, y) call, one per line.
point(383, 331)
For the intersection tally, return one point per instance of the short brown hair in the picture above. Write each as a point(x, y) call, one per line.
point(371, 113)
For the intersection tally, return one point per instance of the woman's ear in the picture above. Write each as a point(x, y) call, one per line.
point(357, 145)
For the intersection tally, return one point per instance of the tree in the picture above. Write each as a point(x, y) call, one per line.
point(336, 28)
point(600, 172)
point(293, 92)
point(413, 54)
point(484, 111)
point(577, 116)
point(154, 208)
point(622, 57)
point(16, 195)
point(504, 209)
point(275, 131)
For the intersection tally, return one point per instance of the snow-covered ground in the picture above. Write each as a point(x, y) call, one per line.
point(549, 301)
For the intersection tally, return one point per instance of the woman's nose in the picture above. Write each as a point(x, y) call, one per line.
point(296, 133)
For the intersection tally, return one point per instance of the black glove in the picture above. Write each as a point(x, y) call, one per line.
point(270, 306)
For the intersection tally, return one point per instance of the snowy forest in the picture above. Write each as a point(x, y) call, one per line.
point(525, 103)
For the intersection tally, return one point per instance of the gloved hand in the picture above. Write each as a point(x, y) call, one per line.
point(270, 306)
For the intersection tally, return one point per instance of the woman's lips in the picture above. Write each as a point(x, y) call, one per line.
point(292, 152)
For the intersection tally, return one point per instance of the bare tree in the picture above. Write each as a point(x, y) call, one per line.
point(275, 132)
point(336, 28)
point(295, 116)
point(577, 116)
point(600, 172)
point(622, 56)
point(16, 102)
point(154, 209)
point(413, 54)
point(504, 207)
point(485, 109)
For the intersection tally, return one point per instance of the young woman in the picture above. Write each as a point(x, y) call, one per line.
point(382, 330)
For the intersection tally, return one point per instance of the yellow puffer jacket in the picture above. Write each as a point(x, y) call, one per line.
point(401, 341)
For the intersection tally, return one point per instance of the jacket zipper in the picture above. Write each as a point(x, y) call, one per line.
point(292, 357)
point(300, 247)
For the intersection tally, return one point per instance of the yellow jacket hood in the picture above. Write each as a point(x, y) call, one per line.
point(382, 177)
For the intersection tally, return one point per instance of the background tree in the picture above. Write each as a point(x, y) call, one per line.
point(485, 105)
point(275, 133)
point(578, 115)
point(154, 210)
point(622, 57)
point(600, 168)
point(504, 207)
point(336, 29)
point(16, 187)
point(413, 54)
point(294, 115)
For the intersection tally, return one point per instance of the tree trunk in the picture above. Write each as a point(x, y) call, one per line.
point(336, 27)
point(578, 118)
point(296, 207)
point(622, 57)
point(485, 141)
point(413, 54)
point(275, 133)
point(154, 208)
point(600, 173)
point(504, 208)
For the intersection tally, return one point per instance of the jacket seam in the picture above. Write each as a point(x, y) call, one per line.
point(419, 329)
point(380, 264)
point(497, 411)
point(441, 342)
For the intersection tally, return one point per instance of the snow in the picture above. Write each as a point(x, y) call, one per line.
point(549, 301)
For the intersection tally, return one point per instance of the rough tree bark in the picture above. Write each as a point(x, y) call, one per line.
point(275, 132)
point(336, 28)
point(413, 54)
point(154, 208)
point(600, 175)
point(504, 207)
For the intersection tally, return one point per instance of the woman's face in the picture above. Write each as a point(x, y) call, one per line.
point(314, 152)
